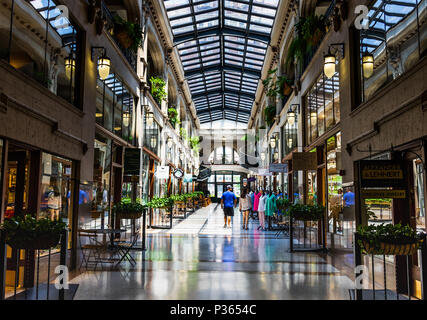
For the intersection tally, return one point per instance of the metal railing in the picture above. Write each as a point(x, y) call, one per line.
point(34, 264)
point(129, 54)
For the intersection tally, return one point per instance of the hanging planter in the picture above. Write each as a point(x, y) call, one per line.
point(128, 34)
point(306, 212)
point(128, 210)
point(270, 114)
point(32, 234)
point(389, 239)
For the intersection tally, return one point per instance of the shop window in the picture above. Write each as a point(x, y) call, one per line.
point(393, 43)
point(335, 192)
point(419, 192)
point(323, 106)
point(115, 107)
point(56, 189)
point(100, 207)
point(55, 64)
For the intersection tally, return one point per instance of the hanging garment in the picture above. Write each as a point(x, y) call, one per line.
point(252, 195)
point(261, 203)
point(270, 207)
point(256, 201)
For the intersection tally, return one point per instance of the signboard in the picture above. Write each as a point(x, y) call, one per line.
point(278, 167)
point(132, 161)
point(188, 178)
point(178, 173)
point(383, 194)
point(204, 173)
point(251, 179)
point(264, 172)
point(382, 174)
point(304, 161)
point(162, 172)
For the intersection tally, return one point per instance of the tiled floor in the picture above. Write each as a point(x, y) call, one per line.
point(199, 259)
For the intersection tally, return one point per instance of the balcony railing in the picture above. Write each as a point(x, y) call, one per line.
point(129, 54)
point(310, 55)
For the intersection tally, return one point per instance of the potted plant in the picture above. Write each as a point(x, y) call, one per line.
point(31, 233)
point(283, 204)
point(128, 210)
point(158, 91)
point(304, 212)
point(309, 32)
point(173, 116)
point(270, 114)
point(389, 239)
point(183, 133)
point(128, 34)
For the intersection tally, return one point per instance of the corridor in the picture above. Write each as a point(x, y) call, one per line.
point(200, 259)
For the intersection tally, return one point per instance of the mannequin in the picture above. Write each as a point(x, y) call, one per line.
point(270, 207)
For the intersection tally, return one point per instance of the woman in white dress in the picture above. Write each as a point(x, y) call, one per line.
point(261, 210)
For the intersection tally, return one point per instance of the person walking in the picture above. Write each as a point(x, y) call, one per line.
point(228, 203)
point(261, 210)
point(245, 206)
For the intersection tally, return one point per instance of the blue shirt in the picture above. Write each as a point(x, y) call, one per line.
point(348, 199)
point(228, 198)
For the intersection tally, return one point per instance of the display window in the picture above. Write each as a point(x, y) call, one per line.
point(55, 64)
point(335, 191)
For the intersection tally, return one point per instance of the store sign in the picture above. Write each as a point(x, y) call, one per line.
point(304, 161)
point(264, 172)
point(178, 173)
point(278, 167)
point(382, 174)
point(162, 172)
point(383, 194)
point(188, 178)
point(132, 162)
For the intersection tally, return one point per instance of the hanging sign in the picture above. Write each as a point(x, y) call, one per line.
point(383, 194)
point(278, 167)
point(264, 172)
point(304, 161)
point(132, 163)
point(188, 178)
point(162, 172)
point(178, 173)
point(382, 174)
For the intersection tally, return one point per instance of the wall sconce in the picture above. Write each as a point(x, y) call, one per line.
point(291, 118)
point(170, 142)
point(104, 63)
point(70, 66)
point(276, 155)
point(313, 118)
point(263, 156)
point(181, 155)
point(330, 59)
point(367, 64)
point(150, 118)
point(273, 142)
point(290, 142)
point(126, 119)
point(153, 142)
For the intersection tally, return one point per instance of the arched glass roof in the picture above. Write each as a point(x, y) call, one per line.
point(222, 44)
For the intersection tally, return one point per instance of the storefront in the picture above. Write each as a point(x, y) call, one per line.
point(219, 180)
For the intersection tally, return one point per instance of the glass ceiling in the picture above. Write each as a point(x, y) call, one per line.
point(384, 16)
point(222, 44)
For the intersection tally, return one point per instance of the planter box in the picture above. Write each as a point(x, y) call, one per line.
point(42, 243)
point(129, 215)
point(395, 249)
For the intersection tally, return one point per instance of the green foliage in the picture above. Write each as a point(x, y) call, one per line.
point(269, 115)
point(158, 89)
point(275, 88)
point(283, 204)
point(306, 212)
point(24, 229)
point(173, 117)
point(309, 32)
point(183, 133)
point(194, 143)
point(126, 207)
point(387, 233)
point(161, 203)
point(133, 30)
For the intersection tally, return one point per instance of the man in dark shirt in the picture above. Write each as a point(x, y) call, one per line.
point(228, 203)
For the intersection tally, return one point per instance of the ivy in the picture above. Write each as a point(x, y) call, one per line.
point(158, 86)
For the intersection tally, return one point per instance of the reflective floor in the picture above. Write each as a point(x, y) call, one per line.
point(200, 259)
